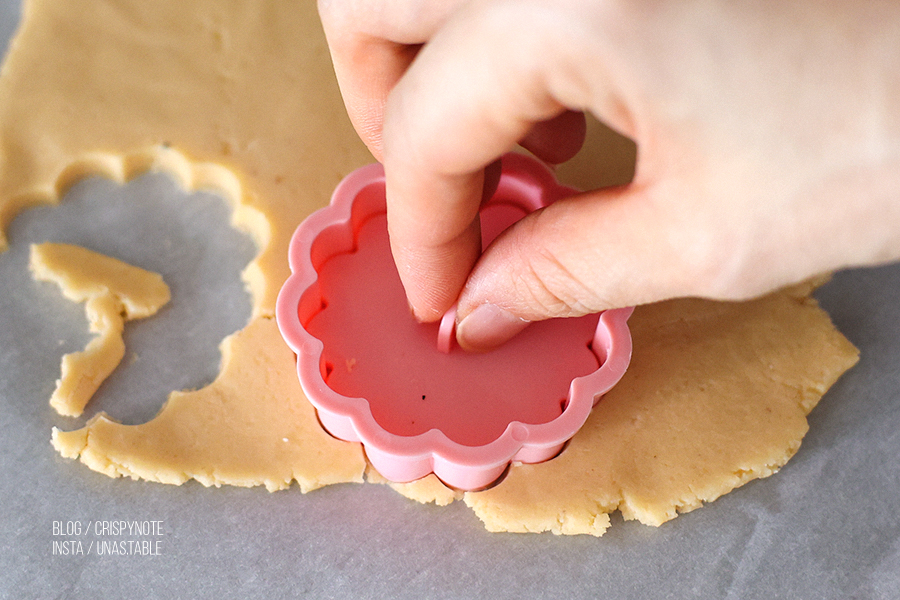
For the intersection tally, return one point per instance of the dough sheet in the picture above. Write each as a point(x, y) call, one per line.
point(241, 99)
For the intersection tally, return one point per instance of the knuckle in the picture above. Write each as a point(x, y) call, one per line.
point(715, 262)
point(549, 285)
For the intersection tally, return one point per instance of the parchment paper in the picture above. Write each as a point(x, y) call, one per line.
point(826, 526)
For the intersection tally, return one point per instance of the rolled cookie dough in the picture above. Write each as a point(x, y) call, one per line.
point(113, 292)
point(716, 395)
point(241, 98)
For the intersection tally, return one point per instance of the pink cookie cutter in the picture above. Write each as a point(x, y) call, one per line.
point(418, 403)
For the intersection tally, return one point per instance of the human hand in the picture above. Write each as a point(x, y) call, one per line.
point(768, 146)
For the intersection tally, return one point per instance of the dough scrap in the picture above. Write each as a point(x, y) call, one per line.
point(113, 292)
point(241, 99)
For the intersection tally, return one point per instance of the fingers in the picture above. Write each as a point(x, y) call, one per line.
point(366, 70)
point(372, 44)
point(581, 255)
point(721, 206)
point(476, 89)
point(557, 140)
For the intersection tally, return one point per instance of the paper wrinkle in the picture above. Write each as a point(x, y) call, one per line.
point(746, 566)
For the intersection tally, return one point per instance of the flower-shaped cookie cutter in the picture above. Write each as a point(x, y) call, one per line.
point(416, 402)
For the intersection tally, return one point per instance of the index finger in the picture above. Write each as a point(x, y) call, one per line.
point(372, 43)
point(473, 91)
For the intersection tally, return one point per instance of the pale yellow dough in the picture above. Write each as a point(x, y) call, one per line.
point(240, 98)
point(113, 292)
point(716, 395)
point(250, 427)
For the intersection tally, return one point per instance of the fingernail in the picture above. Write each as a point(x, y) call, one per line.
point(487, 327)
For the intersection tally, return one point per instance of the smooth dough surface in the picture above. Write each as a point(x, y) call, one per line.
point(240, 98)
point(716, 395)
point(113, 292)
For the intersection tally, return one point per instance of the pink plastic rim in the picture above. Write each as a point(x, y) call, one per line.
point(331, 232)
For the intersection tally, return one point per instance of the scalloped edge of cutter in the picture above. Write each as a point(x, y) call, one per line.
point(407, 458)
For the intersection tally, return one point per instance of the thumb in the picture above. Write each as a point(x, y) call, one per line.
point(584, 254)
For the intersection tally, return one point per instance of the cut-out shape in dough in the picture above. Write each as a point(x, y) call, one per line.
point(241, 98)
point(249, 427)
point(113, 292)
